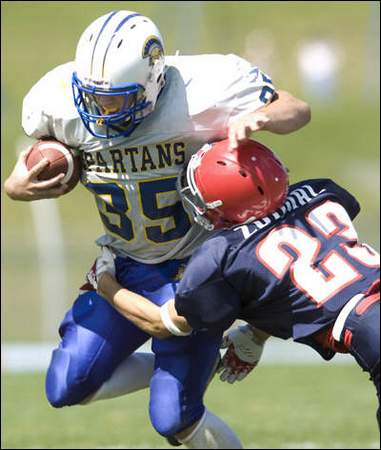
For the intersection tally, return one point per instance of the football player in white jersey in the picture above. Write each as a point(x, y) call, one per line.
point(136, 116)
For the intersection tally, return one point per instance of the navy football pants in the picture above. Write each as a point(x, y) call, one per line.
point(95, 339)
point(361, 334)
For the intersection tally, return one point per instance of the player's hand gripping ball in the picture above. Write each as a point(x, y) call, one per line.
point(62, 159)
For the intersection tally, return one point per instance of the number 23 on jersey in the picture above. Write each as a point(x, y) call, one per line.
point(319, 280)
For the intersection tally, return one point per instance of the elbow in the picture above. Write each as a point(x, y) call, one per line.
point(297, 113)
point(302, 112)
point(300, 117)
point(305, 112)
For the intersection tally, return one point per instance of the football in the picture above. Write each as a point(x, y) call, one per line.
point(62, 159)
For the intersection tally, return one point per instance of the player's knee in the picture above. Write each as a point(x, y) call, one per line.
point(169, 420)
point(164, 405)
point(172, 416)
point(64, 387)
point(170, 425)
point(172, 408)
point(167, 423)
point(55, 387)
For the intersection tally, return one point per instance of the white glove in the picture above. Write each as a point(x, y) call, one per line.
point(244, 350)
point(104, 263)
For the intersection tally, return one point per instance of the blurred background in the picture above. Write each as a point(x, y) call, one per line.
point(326, 53)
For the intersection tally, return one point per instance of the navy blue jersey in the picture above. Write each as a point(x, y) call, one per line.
point(288, 274)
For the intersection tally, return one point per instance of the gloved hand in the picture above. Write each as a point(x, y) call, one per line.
point(104, 263)
point(244, 350)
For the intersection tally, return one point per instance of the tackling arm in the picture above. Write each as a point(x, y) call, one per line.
point(285, 114)
point(139, 310)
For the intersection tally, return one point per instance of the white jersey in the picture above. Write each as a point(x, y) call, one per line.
point(134, 178)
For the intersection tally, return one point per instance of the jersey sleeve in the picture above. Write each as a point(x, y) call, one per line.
point(249, 89)
point(328, 188)
point(220, 88)
point(349, 202)
point(48, 109)
point(204, 297)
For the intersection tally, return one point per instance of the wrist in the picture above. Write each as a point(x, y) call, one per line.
point(169, 324)
point(259, 336)
point(107, 286)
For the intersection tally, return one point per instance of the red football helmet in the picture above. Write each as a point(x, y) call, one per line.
point(222, 188)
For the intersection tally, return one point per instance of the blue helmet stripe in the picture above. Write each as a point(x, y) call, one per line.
point(126, 19)
point(97, 39)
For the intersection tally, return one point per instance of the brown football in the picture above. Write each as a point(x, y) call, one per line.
point(62, 159)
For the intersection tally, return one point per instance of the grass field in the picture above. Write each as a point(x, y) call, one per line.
point(319, 406)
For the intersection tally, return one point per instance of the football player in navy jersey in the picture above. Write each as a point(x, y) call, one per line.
point(287, 261)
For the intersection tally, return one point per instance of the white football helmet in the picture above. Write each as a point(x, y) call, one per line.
point(120, 60)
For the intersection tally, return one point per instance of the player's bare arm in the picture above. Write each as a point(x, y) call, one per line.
point(285, 114)
point(23, 184)
point(142, 312)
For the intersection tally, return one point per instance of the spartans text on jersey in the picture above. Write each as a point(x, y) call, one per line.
point(134, 159)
